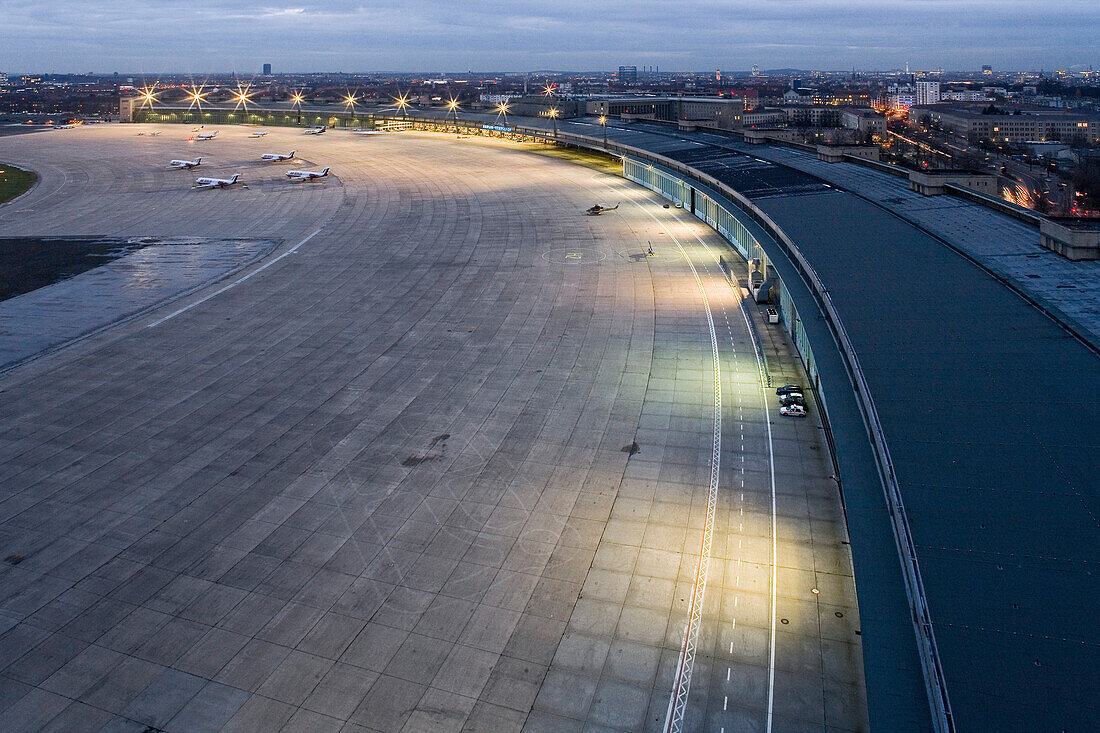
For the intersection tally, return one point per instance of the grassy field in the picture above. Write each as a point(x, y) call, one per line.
point(14, 181)
point(602, 163)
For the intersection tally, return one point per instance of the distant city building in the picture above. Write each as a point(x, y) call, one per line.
point(864, 119)
point(628, 74)
point(497, 99)
point(3, 79)
point(763, 117)
point(967, 95)
point(267, 69)
point(1018, 125)
point(721, 113)
point(928, 92)
point(794, 97)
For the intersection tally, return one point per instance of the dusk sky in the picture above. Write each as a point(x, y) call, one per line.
point(162, 36)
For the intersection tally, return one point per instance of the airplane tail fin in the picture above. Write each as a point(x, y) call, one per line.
point(234, 178)
point(293, 153)
point(324, 171)
point(198, 159)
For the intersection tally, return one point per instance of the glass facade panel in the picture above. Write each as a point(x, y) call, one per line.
point(730, 227)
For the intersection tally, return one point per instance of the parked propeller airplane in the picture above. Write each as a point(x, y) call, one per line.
point(315, 130)
point(307, 175)
point(258, 133)
point(188, 164)
point(209, 136)
point(276, 157)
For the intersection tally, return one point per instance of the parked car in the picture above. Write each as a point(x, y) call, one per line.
point(793, 411)
point(792, 398)
point(788, 389)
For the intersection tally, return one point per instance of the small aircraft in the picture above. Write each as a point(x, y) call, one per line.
point(188, 164)
point(315, 130)
point(276, 157)
point(597, 209)
point(216, 182)
point(66, 126)
point(368, 132)
point(307, 175)
point(207, 136)
point(258, 133)
point(151, 134)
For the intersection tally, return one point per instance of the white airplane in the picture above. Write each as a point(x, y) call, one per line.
point(369, 132)
point(314, 130)
point(216, 182)
point(276, 157)
point(188, 164)
point(151, 134)
point(66, 126)
point(258, 133)
point(307, 175)
point(208, 136)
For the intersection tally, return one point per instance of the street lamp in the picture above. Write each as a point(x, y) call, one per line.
point(603, 121)
point(554, 116)
point(453, 106)
point(403, 102)
point(502, 109)
point(196, 96)
point(242, 97)
point(148, 96)
point(297, 99)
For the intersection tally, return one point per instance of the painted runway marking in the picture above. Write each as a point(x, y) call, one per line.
point(761, 371)
point(235, 283)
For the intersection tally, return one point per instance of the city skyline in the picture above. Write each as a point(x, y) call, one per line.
point(413, 35)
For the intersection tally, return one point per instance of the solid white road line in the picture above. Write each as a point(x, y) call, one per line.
point(233, 284)
point(771, 466)
point(775, 546)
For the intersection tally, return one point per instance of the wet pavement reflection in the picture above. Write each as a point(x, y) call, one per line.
point(148, 273)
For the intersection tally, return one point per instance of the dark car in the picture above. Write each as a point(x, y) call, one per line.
point(792, 398)
point(788, 389)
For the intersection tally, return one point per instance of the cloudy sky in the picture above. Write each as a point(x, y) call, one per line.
point(198, 36)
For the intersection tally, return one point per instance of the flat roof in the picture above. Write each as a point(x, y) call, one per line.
point(997, 467)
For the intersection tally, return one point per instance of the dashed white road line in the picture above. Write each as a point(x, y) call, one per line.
point(771, 465)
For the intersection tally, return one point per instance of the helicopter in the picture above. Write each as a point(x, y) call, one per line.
point(598, 209)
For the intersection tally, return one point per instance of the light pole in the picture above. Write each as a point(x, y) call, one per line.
point(403, 102)
point(453, 106)
point(297, 99)
point(603, 121)
point(554, 116)
point(503, 110)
